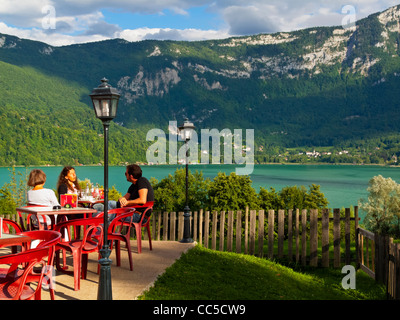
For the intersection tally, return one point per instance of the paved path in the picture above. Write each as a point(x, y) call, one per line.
point(126, 284)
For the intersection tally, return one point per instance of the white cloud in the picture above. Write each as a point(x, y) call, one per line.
point(78, 21)
point(171, 34)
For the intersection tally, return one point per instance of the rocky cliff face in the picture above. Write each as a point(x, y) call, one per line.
point(291, 55)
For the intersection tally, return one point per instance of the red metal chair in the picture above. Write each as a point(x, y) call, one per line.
point(31, 222)
point(46, 238)
point(11, 227)
point(143, 223)
point(117, 232)
point(14, 284)
point(80, 247)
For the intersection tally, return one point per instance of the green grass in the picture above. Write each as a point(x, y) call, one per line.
point(204, 274)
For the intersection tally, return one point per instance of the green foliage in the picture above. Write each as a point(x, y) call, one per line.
point(170, 192)
point(12, 194)
point(383, 206)
point(292, 198)
point(232, 192)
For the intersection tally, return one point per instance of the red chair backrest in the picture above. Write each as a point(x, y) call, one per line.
point(148, 204)
point(7, 223)
point(93, 232)
point(29, 259)
point(120, 219)
point(149, 207)
point(116, 211)
point(47, 237)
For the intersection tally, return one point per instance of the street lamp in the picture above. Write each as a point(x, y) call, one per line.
point(186, 131)
point(105, 103)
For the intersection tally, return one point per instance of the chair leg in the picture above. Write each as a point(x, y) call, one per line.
point(138, 230)
point(84, 264)
point(148, 234)
point(128, 247)
point(77, 269)
point(118, 252)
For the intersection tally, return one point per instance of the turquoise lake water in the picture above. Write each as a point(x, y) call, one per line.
point(343, 185)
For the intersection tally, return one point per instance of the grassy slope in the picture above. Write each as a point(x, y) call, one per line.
point(203, 274)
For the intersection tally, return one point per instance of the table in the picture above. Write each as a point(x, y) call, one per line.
point(13, 239)
point(89, 203)
point(51, 212)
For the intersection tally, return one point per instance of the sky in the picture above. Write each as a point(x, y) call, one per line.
point(66, 22)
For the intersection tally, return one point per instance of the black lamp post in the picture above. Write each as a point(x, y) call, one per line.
point(105, 102)
point(186, 131)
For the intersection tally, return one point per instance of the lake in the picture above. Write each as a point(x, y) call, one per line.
point(343, 185)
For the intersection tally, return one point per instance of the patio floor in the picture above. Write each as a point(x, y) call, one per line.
point(126, 284)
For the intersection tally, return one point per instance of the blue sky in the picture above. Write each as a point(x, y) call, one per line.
point(197, 17)
point(65, 22)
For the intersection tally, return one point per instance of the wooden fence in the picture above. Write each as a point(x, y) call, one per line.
point(379, 257)
point(305, 236)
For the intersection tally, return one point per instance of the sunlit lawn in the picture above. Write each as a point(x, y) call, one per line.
point(204, 274)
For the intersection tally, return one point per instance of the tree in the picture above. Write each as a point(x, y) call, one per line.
point(12, 194)
point(315, 198)
point(293, 198)
point(170, 192)
point(232, 192)
point(382, 205)
point(270, 199)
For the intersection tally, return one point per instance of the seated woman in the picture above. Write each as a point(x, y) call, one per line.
point(39, 195)
point(68, 184)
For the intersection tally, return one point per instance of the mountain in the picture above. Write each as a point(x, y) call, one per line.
point(320, 86)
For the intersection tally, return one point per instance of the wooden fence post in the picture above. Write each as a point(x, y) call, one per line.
point(181, 225)
point(246, 231)
point(290, 235)
point(238, 231)
point(206, 229)
point(201, 227)
point(325, 238)
point(261, 233)
point(271, 216)
point(281, 232)
point(303, 236)
point(347, 235)
point(336, 238)
point(222, 231)
point(229, 236)
point(172, 226)
point(314, 238)
point(252, 246)
point(195, 225)
point(165, 226)
point(158, 226)
point(214, 231)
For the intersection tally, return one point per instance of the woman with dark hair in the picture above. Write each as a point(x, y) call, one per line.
point(68, 182)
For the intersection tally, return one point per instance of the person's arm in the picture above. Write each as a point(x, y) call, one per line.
point(141, 200)
point(123, 200)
